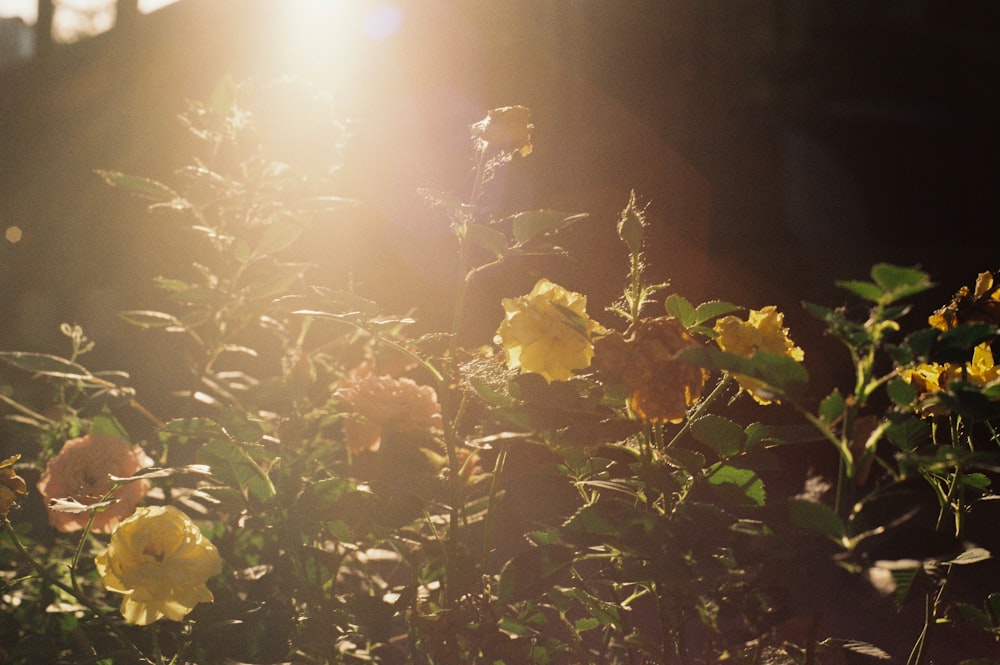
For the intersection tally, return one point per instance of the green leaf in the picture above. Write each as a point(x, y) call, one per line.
point(46, 364)
point(617, 523)
point(783, 374)
point(976, 481)
point(150, 319)
point(817, 518)
point(108, 425)
point(533, 572)
point(720, 434)
point(143, 187)
point(712, 309)
point(832, 408)
point(746, 480)
point(866, 290)
point(971, 555)
point(531, 225)
point(232, 465)
point(900, 282)
point(195, 428)
point(908, 433)
point(607, 613)
point(277, 236)
point(269, 280)
point(678, 307)
point(758, 433)
point(488, 238)
point(901, 392)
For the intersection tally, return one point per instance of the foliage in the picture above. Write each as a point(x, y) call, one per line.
point(377, 495)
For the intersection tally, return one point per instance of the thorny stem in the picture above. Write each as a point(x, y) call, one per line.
point(701, 408)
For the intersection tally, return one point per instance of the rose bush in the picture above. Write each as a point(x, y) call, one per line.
point(334, 484)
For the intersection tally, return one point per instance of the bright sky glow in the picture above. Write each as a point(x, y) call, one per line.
point(317, 33)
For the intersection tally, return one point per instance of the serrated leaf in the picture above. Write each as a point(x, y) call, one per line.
point(533, 572)
point(832, 408)
point(712, 309)
point(908, 433)
point(746, 480)
point(681, 309)
point(530, 225)
point(488, 238)
point(720, 434)
point(899, 280)
point(816, 517)
point(232, 465)
point(783, 374)
point(901, 392)
point(866, 290)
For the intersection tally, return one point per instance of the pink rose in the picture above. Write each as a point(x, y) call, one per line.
point(382, 402)
point(80, 472)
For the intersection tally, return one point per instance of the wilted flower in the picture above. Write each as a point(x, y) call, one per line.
point(980, 306)
point(547, 332)
point(80, 472)
point(762, 331)
point(159, 559)
point(505, 130)
point(11, 484)
point(378, 403)
point(662, 387)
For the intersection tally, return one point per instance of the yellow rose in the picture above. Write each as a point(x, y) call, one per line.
point(762, 331)
point(159, 559)
point(547, 332)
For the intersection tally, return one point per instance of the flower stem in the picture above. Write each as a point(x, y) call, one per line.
point(75, 593)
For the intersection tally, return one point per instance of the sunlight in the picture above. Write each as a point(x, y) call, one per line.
point(313, 34)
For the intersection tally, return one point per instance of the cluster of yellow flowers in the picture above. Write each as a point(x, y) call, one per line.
point(978, 305)
point(548, 332)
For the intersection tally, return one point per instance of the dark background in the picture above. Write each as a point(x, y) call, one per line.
point(781, 145)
